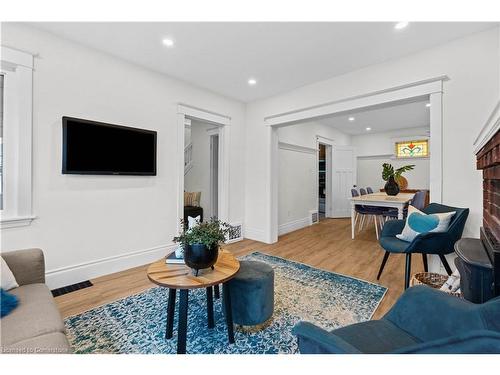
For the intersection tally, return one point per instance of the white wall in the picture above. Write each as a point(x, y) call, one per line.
point(198, 178)
point(471, 63)
point(373, 150)
point(298, 172)
point(92, 225)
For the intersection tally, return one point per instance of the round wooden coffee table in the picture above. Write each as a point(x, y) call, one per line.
point(180, 276)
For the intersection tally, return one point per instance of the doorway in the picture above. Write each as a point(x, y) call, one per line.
point(221, 123)
point(201, 170)
point(324, 177)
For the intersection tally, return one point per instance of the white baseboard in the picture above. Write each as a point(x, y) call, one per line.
point(84, 271)
point(255, 234)
point(294, 225)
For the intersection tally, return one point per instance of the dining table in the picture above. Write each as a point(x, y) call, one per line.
point(380, 199)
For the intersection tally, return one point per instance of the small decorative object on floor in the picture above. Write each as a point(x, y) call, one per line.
point(435, 281)
point(392, 175)
point(452, 285)
point(201, 243)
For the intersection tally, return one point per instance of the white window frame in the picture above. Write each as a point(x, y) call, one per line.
point(17, 67)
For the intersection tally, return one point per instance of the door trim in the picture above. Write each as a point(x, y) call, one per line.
point(214, 182)
point(223, 123)
point(328, 143)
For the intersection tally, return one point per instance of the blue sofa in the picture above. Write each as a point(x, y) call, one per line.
point(423, 320)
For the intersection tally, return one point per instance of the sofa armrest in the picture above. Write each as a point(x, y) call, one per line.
point(429, 314)
point(474, 342)
point(28, 266)
point(315, 340)
point(392, 227)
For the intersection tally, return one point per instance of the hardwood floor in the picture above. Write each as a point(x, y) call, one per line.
point(326, 245)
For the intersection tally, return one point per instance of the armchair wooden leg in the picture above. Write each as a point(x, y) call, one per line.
point(407, 270)
point(445, 264)
point(384, 261)
point(424, 258)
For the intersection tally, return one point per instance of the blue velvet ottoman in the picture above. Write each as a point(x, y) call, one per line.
point(252, 293)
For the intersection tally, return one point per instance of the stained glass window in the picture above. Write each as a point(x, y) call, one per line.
point(412, 149)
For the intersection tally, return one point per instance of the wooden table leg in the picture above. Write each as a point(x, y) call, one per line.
point(210, 308)
point(183, 316)
point(170, 313)
point(228, 312)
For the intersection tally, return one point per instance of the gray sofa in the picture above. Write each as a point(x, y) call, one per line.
point(35, 326)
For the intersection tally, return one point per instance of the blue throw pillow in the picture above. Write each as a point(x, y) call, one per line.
point(418, 222)
point(8, 302)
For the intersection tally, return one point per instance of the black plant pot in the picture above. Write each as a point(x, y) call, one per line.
point(198, 256)
point(391, 187)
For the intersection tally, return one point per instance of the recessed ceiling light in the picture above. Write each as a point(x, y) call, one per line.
point(428, 105)
point(167, 42)
point(368, 129)
point(401, 25)
point(252, 81)
point(351, 118)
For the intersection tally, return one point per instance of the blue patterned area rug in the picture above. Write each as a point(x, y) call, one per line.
point(136, 324)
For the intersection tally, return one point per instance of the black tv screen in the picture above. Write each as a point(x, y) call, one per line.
point(91, 147)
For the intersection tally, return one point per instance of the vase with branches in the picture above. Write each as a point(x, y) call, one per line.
point(392, 175)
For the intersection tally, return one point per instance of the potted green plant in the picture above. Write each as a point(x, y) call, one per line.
point(201, 243)
point(391, 175)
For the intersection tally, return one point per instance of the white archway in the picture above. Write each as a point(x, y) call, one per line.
point(433, 88)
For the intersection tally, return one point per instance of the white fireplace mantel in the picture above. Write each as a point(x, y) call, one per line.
point(488, 130)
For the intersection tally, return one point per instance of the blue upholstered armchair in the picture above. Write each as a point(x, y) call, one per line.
point(426, 243)
point(423, 320)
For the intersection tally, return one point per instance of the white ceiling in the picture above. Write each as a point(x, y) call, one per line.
point(221, 57)
point(402, 115)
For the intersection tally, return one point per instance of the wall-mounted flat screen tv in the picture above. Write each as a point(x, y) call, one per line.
point(96, 148)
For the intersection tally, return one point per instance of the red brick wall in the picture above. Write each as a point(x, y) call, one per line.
point(488, 159)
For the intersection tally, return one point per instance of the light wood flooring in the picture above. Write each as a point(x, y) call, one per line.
point(326, 245)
